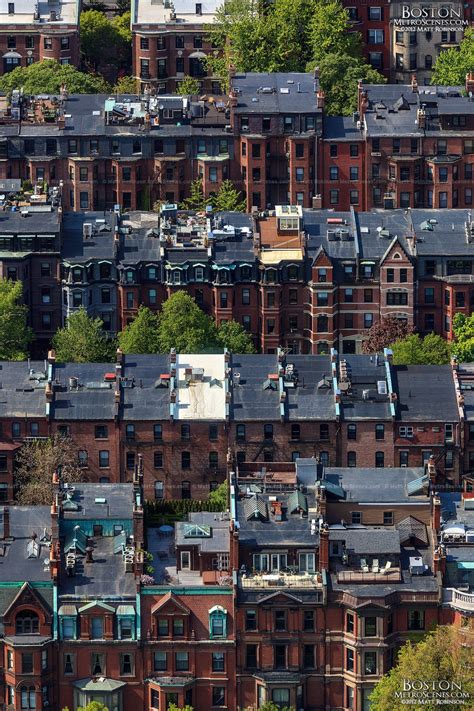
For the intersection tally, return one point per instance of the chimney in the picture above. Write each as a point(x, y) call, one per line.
point(119, 356)
point(232, 71)
point(431, 470)
point(173, 355)
point(470, 83)
point(421, 118)
point(233, 99)
point(362, 100)
point(324, 547)
point(436, 512)
point(52, 357)
point(439, 561)
point(317, 202)
point(414, 84)
point(6, 522)
point(316, 73)
point(320, 99)
point(89, 558)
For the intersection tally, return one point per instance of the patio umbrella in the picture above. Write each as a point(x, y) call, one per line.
point(166, 529)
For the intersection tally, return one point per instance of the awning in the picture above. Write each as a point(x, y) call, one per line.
point(469, 565)
point(11, 55)
point(126, 610)
point(197, 55)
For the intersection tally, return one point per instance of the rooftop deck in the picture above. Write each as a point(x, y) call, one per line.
point(280, 580)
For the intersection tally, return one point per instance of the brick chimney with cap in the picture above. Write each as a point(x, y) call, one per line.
point(324, 547)
point(436, 512)
point(470, 82)
point(362, 100)
point(414, 84)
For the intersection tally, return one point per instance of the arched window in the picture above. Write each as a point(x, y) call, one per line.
point(217, 622)
point(28, 697)
point(27, 622)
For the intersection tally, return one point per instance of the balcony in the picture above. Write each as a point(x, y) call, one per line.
point(463, 601)
point(280, 580)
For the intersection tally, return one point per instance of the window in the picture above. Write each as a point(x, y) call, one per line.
point(299, 175)
point(354, 197)
point(267, 431)
point(240, 433)
point(130, 431)
point(250, 620)
point(97, 627)
point(370, 663)
point(251, 658)
point(97, 664)
point(101, 432)
point(295, 431)
point(353, 173)
point(379, 431)
point(334, 197)
point(163, 627)
point(348, 296)
point(185, 460)
point(68, 663)
point(160, 661)
point(218, 661)
point(218, 695)
point(104, 458)
point(368, 320)
point(27, 622)
point(28, 697)
point(356, 517)
point(159, 490)
point(185, 432)
point(213, 460)
point(181, 661)
point(185, 488)
point(370, 627)
point(217, 623)
point(375, 37)
point(350, 659)
point(397, 298)
point(405, 431)
point(130, 460)
point(388, 518)
point(126, 664)
point(333, 173)
point(279, 656)
point(306, 563)
point(333, 150)
point(350, 623)
point(280, 620)
point(27, 663)
point(322, 298)
point(351, 459)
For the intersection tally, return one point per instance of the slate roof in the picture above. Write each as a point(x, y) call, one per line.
point(218, 542)
point(118, 501)
point(21, 396)
point(249, 400)
point(368, 541)
point(44, 220)
point(410, 528)
point(307, 401)
point(76, 249)
point(94, 399)
point(421, 389)
point(292, 530)
point(145, 401)
point(365, 373)
point(373, 485)
point(15, 566)
point(291, 100)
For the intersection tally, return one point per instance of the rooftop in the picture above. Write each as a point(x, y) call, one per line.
point(25, 553)
point(376, 485)
point(50, 12)
point(289, 93)
point(420, 390)
point(180, 12)
point(201, 387)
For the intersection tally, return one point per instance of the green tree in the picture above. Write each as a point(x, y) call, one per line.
point(188, 87)
point(414, 350)
point(463, 346)
point(46, 77)
point(125, 85)
point(83, 340)
point(122, 39)
point(142, 335)
point(15, 335)
point(219, 497)
point(228, 199)
point(270, 706)
point(444, 654)
point(330, 32)
point(187, 707)
point(339, 75)
point(93, 706)
point(122, 6)
point(235, 338)
point(453, 64)
point(196, 199)
point(184, 326)
point(34, 466)
point(385, 332)
point(98, 37)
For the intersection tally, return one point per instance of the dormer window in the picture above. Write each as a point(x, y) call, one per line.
point(97, 627)
point(271, 276)
point(129, 276)
point(217, 622)
point(199, 274)
point(176, 276)
point(27, 622)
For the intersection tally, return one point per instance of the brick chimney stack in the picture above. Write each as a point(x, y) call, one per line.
point(436, 512)
point(324, 547)
point(414, 84)
point(320, 99)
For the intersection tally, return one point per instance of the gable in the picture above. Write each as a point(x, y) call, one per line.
point(321, 259)
point(280, 598)
point(395, 253)
point(27, 597)
point(170, 605)
point(96, 606)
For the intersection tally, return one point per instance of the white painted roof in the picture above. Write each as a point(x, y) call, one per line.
point(201, 399)
point(67, 12)
point(155, 12)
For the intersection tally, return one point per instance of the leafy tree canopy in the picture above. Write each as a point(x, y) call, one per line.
point(35, 463)
point(142, 335)
point(219, 497)
point(339, 74)
point(187, 707)
point(329, 31)
point(453, 64)
point(196, 199)
point(463, 346)
point(188, 87)
point(83, 340)
point(47, 76)
point(15, 335)
point(235, 338)
point(444, 654)
point(126, 85)
point(228, 199)
point(184, 326)
point(384, 333)
point(414, 350)
point(104, 40)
